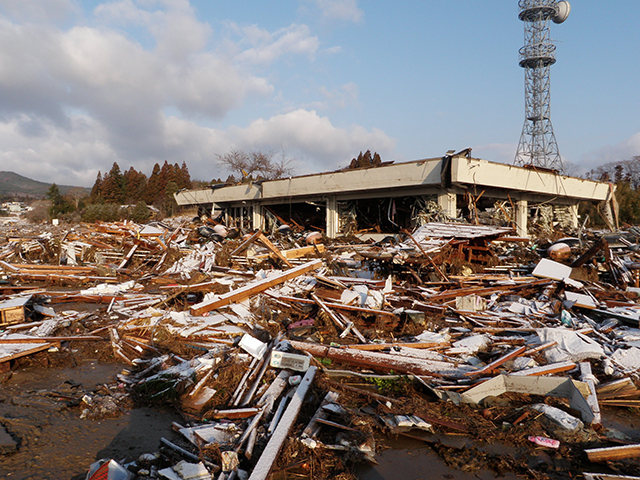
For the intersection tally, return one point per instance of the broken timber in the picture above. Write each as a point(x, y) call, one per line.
point(252, 289)
point(613, 453)
point(270, 453)
point(383, 361)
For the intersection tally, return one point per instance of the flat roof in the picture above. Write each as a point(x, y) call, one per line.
point(407, 178)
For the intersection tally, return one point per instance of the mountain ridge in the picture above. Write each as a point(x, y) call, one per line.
point(14, 184)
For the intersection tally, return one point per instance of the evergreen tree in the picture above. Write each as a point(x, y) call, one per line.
point(135, 186)
point(113, 190)
point(185, 178)
point(58, 203)
point(170, 204)
point(153, 186)
point(96, 191)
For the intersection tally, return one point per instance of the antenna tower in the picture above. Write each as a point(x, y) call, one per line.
point(537, 145)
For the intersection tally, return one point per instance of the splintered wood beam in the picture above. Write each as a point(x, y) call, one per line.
point(328, 311)
point(592, 399)
point(253, 289)
point(271, 451)
point(5, 357)
point(546, 369)
point(496, 363)
point(384, 346)
point(274, 249)
point(382, 361)
point(244, 245)
point(49, 339)
point(295, 252)
point(484, 291)
point(440, 272)
point(337, 306)
point(126, 259)
point(539, 348)
point(613, 453)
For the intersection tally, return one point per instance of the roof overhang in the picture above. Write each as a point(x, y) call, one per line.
point(410, 178)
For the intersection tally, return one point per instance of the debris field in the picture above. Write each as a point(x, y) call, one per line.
point(290, 355)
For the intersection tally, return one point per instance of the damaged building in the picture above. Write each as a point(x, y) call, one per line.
point(395, 196)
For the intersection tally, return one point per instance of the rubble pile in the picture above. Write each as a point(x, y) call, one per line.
point(290, 355)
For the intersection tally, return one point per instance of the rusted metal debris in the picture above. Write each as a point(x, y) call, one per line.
point(464, 313)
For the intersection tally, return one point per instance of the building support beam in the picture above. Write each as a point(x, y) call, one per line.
point(447, 201)
point(522, 212)
point(575, 220)
point(333, 220)
point(257, 219)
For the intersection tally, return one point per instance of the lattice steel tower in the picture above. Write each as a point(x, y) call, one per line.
point(537, 145)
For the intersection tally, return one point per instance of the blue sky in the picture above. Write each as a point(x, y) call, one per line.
point(84, 84)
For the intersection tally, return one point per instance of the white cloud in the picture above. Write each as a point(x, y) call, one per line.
point(312, 138)
point(295, 39)
point(37, 11)
point(75, 100)
point(346, 10)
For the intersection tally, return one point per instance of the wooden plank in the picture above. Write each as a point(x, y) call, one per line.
point(244, 245)
point(295, 252)
point(328, 311)
point(613, 453)
point(253, 289)
point(337, 306)
point(539, 348)
point(587, 377)
point(274, 249)
point(546, 369)
point(623, 387)
point(383, 361)
point(451, 294)
point(334, 424)
point(383, 346)
point(270, 453)
point(440, 272)
point(11, 352)
point(496, 363)
point(606, 476)
point(128, 256)
point(48, 339)
point(9, 267)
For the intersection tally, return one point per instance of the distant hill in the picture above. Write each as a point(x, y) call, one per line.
point(18, 186)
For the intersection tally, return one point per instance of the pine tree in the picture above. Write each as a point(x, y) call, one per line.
point(185, 178)
point(153, 186)
point(96, 190)
point(135, 186)
point(113, 190)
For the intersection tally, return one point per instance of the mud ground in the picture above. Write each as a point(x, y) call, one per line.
point(38, 408)
point(41, 408)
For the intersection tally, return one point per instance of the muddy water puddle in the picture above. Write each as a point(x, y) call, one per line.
point(409, 459)
point(38, 410)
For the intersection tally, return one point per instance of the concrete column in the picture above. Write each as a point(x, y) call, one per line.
point(447, 202)
point(257, 220)
point(332, 217)
point(575, 221)
point(522, 213)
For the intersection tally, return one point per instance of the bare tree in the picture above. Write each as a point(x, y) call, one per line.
point(615, 171)
point(257, 165)
point(77, 194)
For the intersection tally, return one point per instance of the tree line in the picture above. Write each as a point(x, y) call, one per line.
point(114, 189)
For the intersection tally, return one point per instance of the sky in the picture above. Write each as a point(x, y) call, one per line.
point(86, 83)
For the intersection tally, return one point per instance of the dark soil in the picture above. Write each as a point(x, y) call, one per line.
point(40, 409)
